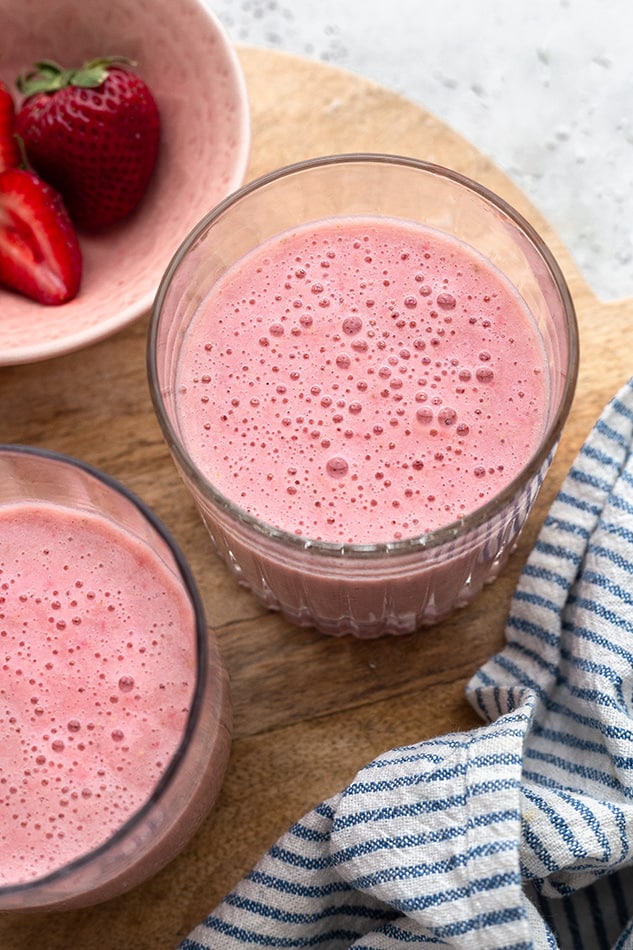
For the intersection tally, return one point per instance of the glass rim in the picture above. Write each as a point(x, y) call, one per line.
point(202, 656)
point(412, 543)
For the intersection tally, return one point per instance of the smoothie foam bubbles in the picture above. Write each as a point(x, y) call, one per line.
point(362, 380)
point(98, 676)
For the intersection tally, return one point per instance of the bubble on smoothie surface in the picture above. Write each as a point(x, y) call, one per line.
point(97, 679)
point(337, 467)
point(377, 413)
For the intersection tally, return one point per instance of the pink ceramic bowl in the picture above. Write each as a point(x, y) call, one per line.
point(184, 55)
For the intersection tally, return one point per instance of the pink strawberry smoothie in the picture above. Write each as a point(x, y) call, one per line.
point(97, 677)
point(361, 381)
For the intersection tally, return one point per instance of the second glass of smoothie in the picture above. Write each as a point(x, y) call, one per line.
point(116, 711)
point(362, 365)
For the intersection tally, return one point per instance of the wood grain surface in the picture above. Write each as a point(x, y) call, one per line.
point(309, 710)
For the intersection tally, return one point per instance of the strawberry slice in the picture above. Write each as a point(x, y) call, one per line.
point(9, 151)
point(40, 255)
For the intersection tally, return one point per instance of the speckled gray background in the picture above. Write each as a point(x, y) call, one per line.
point(544, 88)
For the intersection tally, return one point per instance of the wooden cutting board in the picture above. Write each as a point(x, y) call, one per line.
point(308, 710)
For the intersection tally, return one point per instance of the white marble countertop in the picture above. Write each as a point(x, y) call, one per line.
point(544, 89)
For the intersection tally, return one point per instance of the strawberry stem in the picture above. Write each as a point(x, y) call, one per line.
point(48, 76)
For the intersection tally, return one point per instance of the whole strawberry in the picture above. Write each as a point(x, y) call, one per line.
point(93, 133)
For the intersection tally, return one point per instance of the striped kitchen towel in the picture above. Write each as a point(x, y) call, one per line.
point(518, 834)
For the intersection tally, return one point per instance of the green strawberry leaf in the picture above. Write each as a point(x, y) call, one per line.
point(48, 76)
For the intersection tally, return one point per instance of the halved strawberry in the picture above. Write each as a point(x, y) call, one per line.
point(9, 151)
point(39, 251)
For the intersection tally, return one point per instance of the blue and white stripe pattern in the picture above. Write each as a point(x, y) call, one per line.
point(514, 836)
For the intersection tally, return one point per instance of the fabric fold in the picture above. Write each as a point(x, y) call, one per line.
point(513, 836)
point(432, 830)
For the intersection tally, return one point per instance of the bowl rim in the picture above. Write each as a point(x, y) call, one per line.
point(36, 350)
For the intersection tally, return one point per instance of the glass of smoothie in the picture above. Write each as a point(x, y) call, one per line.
point(114, 707)
point(362, 365)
